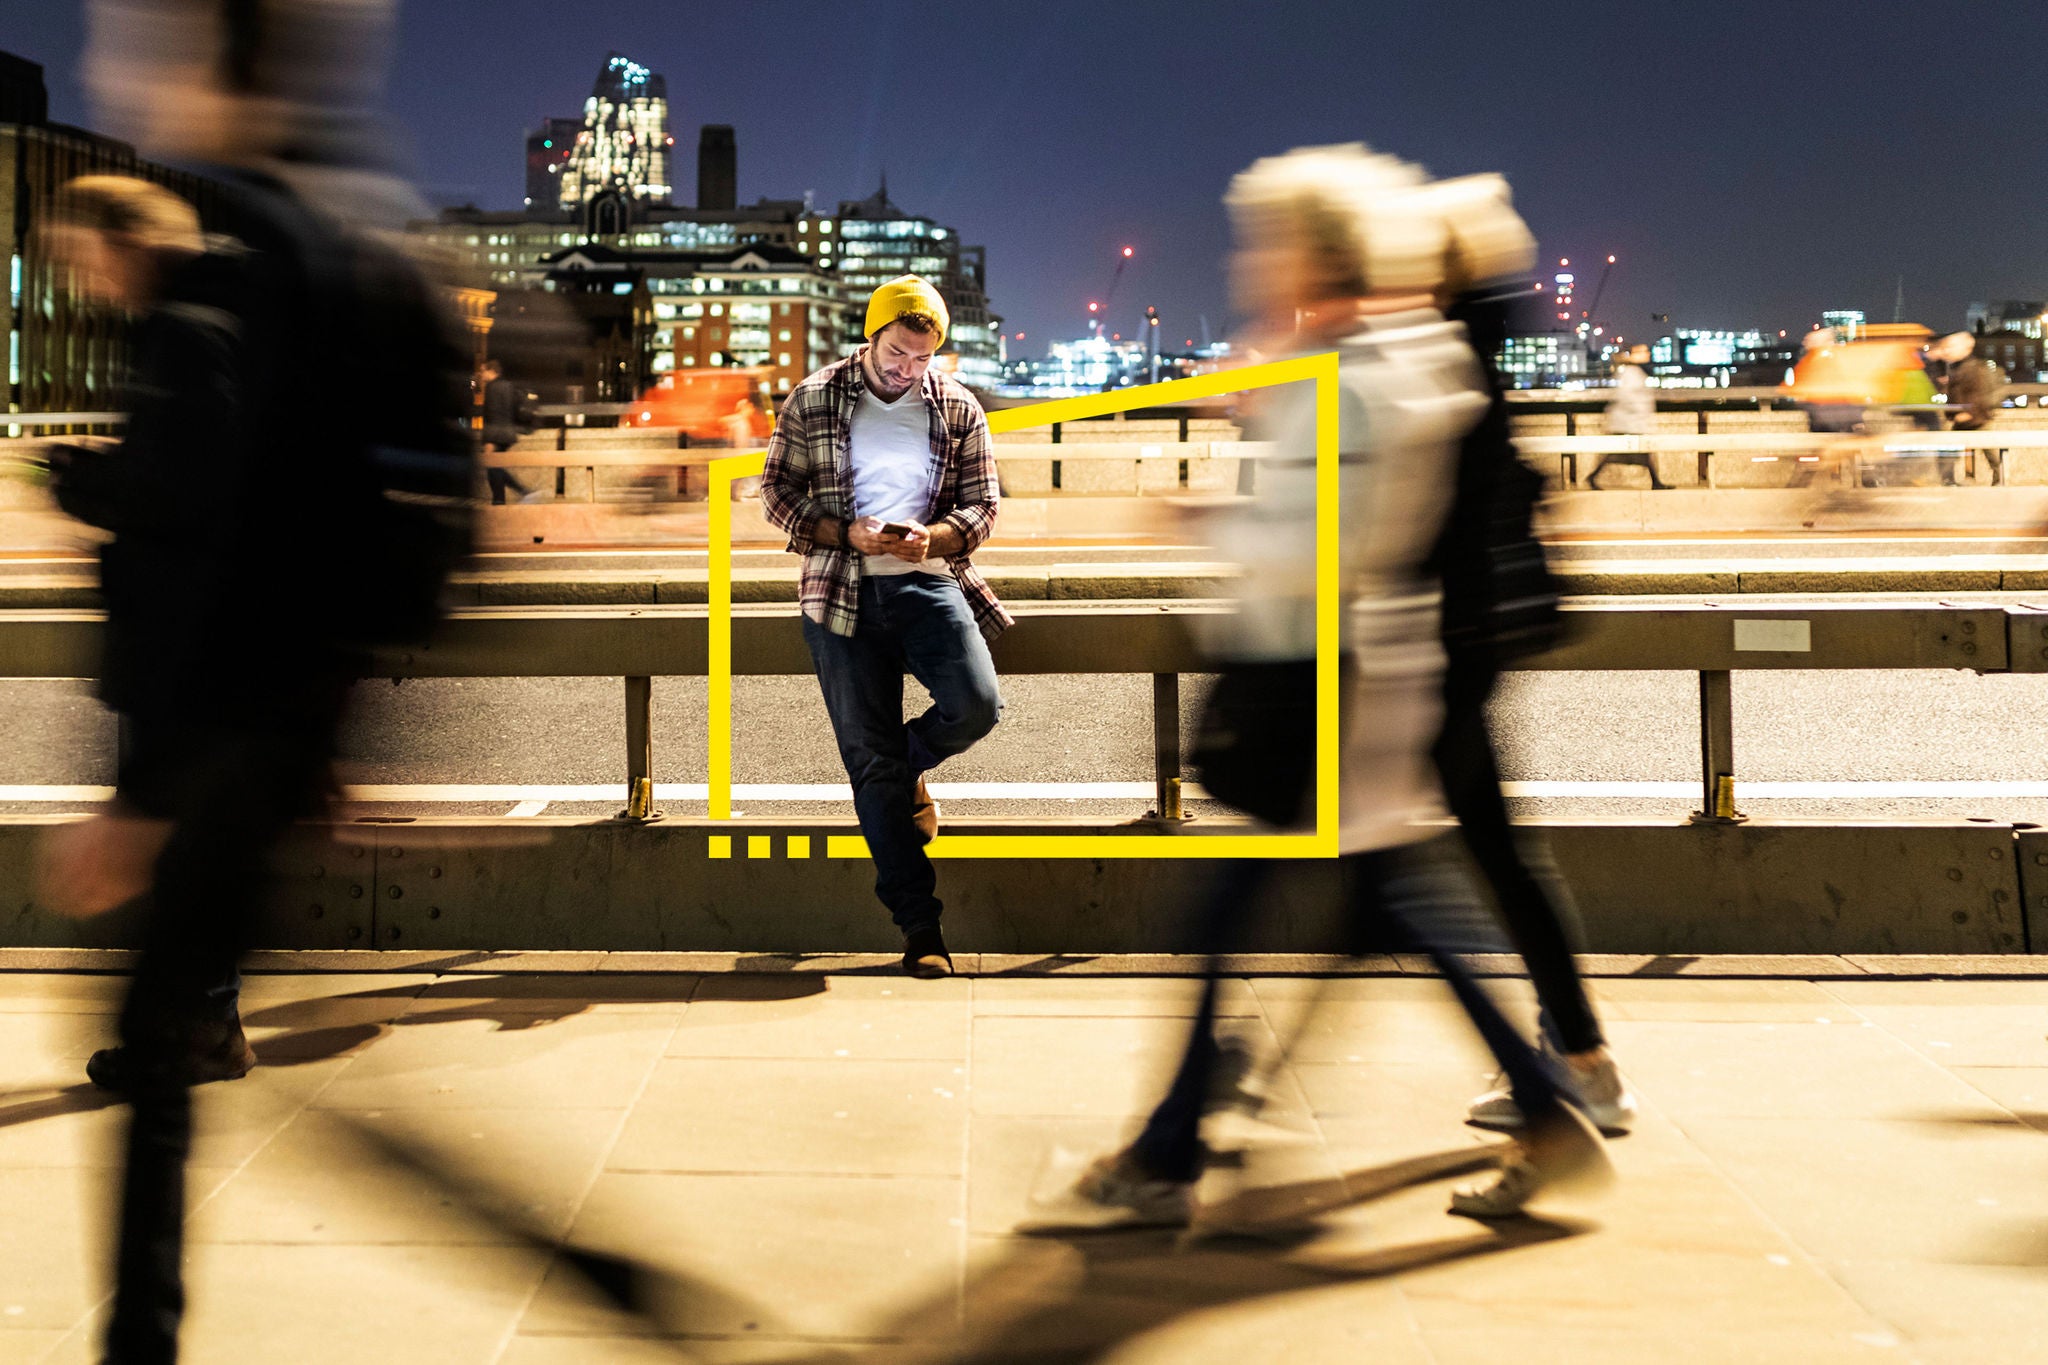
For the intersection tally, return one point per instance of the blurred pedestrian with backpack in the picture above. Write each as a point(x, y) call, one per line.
point(1501, 603)
point(260, 544)
point(1341, 250)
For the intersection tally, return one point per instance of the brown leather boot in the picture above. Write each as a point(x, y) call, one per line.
point(217, 1052)
point(924, 812)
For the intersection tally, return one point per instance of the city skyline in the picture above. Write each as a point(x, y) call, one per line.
point(1736, 189)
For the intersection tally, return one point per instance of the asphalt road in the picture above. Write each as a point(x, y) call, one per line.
point(1728, 549)
point(1875, 740)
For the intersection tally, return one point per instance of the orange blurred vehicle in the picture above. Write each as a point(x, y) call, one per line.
point(711, 405)
point(1881, 368)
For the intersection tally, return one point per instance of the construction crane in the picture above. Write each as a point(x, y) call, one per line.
point(1098, 310)
point(1598, 290)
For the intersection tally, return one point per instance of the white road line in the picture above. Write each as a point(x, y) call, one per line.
point(533, 799)
point(56, 793)
point(1767, 791)
point(1735, 542)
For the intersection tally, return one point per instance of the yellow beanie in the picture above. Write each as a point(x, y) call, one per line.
point(906, 294)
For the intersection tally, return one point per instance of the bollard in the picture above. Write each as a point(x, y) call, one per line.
point(639, 751)
point(1717, 751)
point(1166, 748)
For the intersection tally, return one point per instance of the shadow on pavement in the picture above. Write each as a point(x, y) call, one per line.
point(47, 1102)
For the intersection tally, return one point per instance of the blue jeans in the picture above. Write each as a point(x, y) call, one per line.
point(917, 624)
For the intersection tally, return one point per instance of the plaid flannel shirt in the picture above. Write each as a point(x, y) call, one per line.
point(810, 475)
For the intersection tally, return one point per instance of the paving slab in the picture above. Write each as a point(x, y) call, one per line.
point(815, 1117)
point(802, 1165)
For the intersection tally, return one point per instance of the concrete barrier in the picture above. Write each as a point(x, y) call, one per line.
point(558, 885)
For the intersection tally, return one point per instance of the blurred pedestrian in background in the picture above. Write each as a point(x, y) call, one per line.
point(262, 536)
point(502, 401)
point(1631, 412)
point(1338, 249)
point(1974, 386)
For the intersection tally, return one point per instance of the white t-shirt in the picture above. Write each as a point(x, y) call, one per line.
point(891, 450)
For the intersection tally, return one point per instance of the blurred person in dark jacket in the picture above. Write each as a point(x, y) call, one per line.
point(1975, 389)
point(262, 536)
point(501, 428)
point(1500, 602)
point(230, 692)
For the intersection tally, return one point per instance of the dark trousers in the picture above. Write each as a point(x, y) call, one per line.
point(1534, 903)
point(500, 480)
point(231, 795)
point(917, 624)
point(1416, 895)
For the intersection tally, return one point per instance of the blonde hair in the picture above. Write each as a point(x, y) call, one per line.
point(1361, 216)
point(1487, 239)
point(145, 212)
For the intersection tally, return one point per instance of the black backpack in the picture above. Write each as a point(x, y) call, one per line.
point(409, 465)
point(1501, 602)
point(388, 487)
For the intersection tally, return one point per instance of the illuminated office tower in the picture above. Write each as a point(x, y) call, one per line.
point(549, 149)
point(876, 241)
point(624, 146)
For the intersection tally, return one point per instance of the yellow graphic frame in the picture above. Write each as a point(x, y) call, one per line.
point(1321, 842)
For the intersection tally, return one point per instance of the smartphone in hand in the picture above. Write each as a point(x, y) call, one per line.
point(895, 528)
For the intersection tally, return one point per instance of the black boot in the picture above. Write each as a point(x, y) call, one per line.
point(925, 955)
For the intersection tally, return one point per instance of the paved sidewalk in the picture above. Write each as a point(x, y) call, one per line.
point(828, 1168)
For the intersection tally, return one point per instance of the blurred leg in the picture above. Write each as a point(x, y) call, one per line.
point(1536, 910)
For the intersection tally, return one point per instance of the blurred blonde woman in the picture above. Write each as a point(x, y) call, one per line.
point(1339, 249)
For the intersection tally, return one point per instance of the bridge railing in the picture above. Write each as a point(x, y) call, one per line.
point(1124, 468)
point(1145, 459)
point(1711, 639)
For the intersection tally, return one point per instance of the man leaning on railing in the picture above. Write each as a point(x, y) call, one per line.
point(880, 470)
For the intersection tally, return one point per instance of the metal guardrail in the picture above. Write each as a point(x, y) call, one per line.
point(1752, 444)
point(1558, 456)
point(1712, 639)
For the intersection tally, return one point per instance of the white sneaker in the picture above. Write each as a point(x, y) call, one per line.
point(1112, 1193)
point(1563, 1156)
point(1602, 1093)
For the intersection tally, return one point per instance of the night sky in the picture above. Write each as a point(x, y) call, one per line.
point(1749, 163)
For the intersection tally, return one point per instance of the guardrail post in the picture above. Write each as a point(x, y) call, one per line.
point(640, 751)
point(1717, 751)
point(1166, 747)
